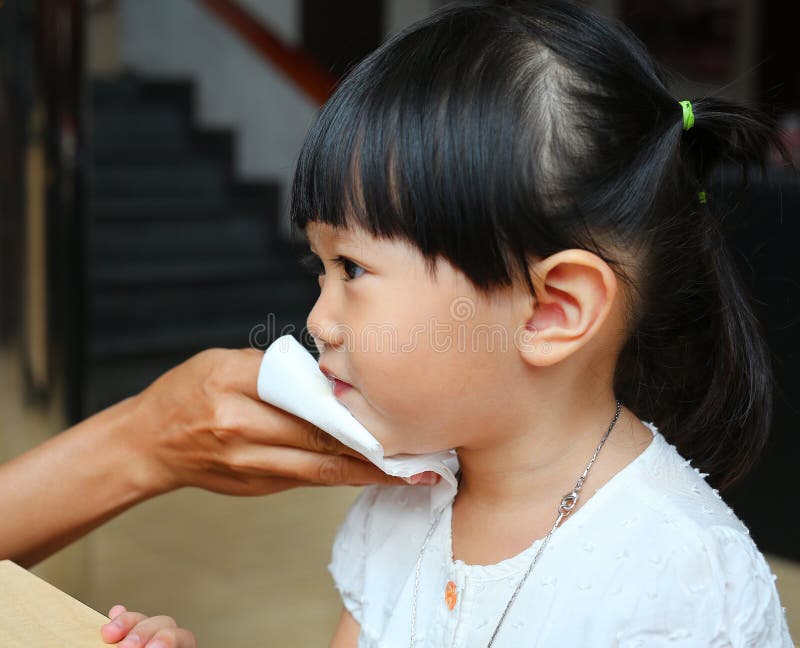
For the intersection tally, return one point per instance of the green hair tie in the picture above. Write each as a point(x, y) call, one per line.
point(688, 115)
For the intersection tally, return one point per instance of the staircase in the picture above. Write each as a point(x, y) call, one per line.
point(181, 255)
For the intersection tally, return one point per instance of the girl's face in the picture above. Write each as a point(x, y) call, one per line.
point(431, 363)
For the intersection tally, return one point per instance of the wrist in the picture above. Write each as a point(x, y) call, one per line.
point(135, 450)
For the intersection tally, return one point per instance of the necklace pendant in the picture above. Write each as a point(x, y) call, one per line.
point(450, 595)
point(568, 502)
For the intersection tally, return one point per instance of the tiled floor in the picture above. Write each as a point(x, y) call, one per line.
point(238, 572)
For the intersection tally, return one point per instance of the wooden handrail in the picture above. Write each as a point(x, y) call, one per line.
point(314, 80)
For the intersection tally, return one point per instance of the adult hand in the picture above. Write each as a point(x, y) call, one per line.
point(202, 424)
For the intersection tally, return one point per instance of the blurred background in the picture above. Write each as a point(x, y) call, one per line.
point(146, 151)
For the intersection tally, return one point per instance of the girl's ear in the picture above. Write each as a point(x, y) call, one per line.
point(576, 290)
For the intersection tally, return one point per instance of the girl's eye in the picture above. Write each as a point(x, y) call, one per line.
point(312, 264)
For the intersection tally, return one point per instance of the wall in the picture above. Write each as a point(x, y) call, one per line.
point(400, 13)
point(235, 88)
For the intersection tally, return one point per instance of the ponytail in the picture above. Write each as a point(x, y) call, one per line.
point(699, 365)
point(728, 132)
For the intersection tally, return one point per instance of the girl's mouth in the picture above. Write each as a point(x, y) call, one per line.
point(339, 386)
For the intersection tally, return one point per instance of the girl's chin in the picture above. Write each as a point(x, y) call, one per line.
point(393, 450)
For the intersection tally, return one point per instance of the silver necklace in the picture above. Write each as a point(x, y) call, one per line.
point(568, 503)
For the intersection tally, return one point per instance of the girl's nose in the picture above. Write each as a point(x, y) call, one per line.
point(324, 330)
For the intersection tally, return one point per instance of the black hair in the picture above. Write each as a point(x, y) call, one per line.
point(492, 132)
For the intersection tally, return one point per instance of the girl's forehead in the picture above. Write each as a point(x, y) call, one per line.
point(324, 234)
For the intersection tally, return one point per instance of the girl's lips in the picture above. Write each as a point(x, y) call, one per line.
point(340, 387)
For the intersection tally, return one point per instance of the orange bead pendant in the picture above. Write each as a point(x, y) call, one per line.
point(450, 595)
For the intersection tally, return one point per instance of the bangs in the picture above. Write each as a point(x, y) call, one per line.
point(472, 136)
point(421, 142)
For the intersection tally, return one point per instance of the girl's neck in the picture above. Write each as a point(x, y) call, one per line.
point(510, 489)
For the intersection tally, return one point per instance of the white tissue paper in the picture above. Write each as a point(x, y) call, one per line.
point(290, 379)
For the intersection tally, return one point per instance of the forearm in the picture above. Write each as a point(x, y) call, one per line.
point(64, 488)
point(346, 633)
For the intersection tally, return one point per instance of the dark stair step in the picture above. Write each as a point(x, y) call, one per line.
point(202, 272)
point(115, 243)
point(253, 197)
point(127, 212)
point(118, 91)
point(241, 333)
point(201, 180)
point(118, 376)
point(175, 146)
point(181, 255)
point(133, 320)
point(148, 208)
point(130, 308)
point(129, 89)
point(148, 128)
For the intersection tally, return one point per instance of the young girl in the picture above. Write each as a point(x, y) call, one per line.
point(513, 192)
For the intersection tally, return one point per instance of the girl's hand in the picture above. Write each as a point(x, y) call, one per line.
point(135, 630)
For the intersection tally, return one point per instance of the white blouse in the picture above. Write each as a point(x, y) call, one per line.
point(653, 558)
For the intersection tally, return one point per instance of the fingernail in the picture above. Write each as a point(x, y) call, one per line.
point(424, 479)
point(156, 644)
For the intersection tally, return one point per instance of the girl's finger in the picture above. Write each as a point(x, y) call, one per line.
point(116, 610)
point(173, 638)
point(146, 629)
point(427, 478)
point(115, 630)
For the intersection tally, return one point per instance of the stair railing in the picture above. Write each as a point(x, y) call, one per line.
point(308, 75)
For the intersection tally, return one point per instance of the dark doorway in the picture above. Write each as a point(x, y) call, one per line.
point(339, 34)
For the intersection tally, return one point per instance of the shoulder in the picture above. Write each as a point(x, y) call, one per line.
point(668, 490)
point(712, 588)
point(710, 574)
point(660, 502)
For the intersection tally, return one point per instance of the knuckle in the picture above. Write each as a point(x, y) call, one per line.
point(320, 441)
point(238, 463)
point(130, 618)
point(332, 470)
point(167, 637)
point(246, 353)
point(167, 621)
point(209, 356)
point(219, 374)
point(226, 418)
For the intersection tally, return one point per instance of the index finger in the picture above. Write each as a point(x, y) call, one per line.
point(265, 423)
point(242, 371)
point(317, 440)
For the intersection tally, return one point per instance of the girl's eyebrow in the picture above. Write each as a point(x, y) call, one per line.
point(342, 240)
point(339, 236)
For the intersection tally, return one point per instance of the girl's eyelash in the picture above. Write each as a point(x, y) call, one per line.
point(312, 264)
